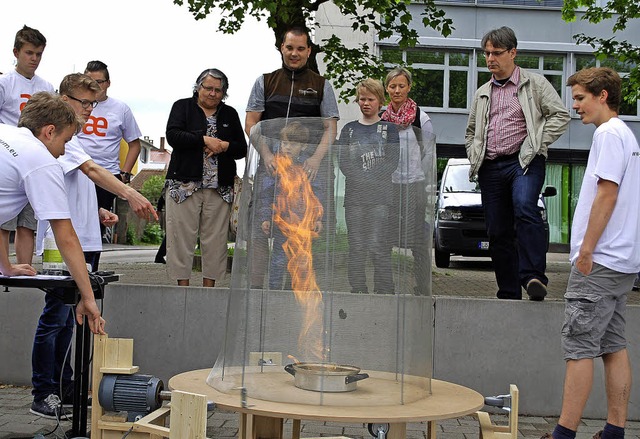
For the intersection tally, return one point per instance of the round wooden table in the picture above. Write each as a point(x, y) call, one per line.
point(263, 419)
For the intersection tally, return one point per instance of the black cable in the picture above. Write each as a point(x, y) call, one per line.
point(127, 433)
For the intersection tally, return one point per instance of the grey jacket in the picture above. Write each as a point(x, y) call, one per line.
point(544, 112)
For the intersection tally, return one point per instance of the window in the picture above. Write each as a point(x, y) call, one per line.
point(440, 79)
point(550, 66)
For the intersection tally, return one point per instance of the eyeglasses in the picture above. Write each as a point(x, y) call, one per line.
point(101, 81)
point(85, 103)
point(211, 89)
point(495, 53)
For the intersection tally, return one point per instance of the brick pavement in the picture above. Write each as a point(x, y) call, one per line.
point(17, 422)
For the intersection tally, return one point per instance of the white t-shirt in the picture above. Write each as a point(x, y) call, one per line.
point(15, 91)
point(614, 156)
point(29, 173)
point(83, 203)
point(109, 122)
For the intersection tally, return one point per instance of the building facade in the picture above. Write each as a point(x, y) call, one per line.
point(447, 71)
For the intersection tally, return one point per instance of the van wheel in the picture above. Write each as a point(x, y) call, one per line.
point(442, 259)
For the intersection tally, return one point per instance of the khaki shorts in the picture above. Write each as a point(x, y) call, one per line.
point(26, 218)
point(594, 316)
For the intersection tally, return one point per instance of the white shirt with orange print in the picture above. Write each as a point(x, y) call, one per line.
point(111, 121)
point(15, 91)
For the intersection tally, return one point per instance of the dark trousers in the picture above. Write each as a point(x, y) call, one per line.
point(367, 232)
point(517, 240)
point(411, 230)
point(51, 354)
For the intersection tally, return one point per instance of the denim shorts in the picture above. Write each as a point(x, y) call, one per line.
point(26, 218)
point(594, 316)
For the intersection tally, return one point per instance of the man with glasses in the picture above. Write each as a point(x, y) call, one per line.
point(513, 119)
point(16, 87)
point(50, 360)
point(110, 122)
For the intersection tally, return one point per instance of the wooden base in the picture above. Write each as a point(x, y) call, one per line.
point(261, 419)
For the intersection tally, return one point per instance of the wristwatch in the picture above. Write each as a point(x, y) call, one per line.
point(125, 176)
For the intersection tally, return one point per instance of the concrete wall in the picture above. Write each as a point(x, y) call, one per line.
point(484, 344)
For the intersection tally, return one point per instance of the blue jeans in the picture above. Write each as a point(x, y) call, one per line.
point(517, 240)
point(50, 361)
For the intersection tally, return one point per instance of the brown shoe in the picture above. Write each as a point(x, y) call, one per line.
point(546, 436)
point(597, 435)
point(536, 290)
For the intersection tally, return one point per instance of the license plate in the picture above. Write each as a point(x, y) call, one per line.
point(483, 245)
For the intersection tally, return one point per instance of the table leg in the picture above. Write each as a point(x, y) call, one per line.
point(267, 428)
point(397, 431)
point(296, 429)
point(431, 429)
point(243, 430)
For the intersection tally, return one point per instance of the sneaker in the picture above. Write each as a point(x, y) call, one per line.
point(50, 408)
point(536, 290)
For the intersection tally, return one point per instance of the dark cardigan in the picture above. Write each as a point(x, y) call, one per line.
point(186, 127)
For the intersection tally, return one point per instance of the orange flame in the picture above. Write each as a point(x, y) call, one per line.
point(297, 212)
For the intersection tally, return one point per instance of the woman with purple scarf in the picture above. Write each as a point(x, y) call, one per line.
point(409, 180)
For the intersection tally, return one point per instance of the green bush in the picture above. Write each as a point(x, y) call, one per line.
point(152, 188)
point(131, 235)
point(152, 234)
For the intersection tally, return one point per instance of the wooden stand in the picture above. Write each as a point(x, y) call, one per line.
point(187, 412)
point(260, 419)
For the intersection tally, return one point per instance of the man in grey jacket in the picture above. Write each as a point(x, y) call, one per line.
point(514, 118)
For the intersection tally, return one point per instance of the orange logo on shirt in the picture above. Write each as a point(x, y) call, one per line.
point(26, 97)
point(96, 125)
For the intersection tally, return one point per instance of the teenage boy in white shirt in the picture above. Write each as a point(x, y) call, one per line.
point(604, 256)
point(16, 87)
point(50, 371)
point(110, 122)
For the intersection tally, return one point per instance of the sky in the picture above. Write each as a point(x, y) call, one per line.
point(154, 50)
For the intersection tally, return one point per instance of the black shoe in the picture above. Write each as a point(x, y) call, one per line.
point(50, 408)
point(536, 290)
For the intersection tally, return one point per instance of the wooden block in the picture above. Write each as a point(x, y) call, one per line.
point(114, 416)
point(118, 353)
point(120, 370)
point(188, 417)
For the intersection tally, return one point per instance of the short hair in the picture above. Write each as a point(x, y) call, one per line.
point(504, 38)
point(372, 85)
point(78, 81)
point(596, 79)
point(214, 73)
point(295, 132)
point(298, 31)
point(44, 108)
point(29, 35)
point(395, 72)
point(97, 66)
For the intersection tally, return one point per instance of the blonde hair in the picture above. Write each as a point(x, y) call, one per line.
point(78, 81)
point(395, 72)
point(372, 85)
